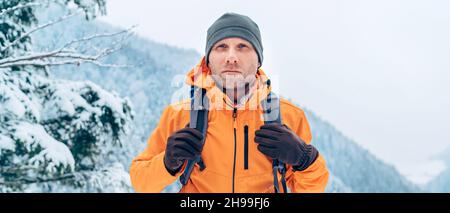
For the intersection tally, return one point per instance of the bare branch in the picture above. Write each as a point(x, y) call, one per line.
point(36, 29)
point(92, 37)
point(69, 55)
point(11, 60)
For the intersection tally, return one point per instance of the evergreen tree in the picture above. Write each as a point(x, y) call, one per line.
point(55, 135)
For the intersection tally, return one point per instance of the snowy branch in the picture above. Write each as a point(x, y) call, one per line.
point(67, 55)
point(18, 7)
point(74, 176)
point(66, 62)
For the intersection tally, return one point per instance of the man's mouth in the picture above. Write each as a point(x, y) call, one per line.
point(231, 72)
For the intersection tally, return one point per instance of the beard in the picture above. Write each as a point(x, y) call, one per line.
point(233, 82)
point(235, 85)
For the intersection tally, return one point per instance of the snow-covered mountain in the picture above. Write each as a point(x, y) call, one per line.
point(147, 81)
point(354, 168)
point(441, 183)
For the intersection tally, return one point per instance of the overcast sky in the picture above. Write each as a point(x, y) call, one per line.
point(379, 71)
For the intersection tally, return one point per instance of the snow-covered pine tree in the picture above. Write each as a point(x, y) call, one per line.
point(56, 135)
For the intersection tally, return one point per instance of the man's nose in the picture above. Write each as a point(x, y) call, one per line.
point(232, 57)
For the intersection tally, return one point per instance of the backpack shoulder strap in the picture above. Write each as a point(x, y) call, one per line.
point(198, 120)
point(272, 114)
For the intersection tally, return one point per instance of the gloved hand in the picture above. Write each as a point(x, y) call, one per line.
point(279, 142)
point(184, 144)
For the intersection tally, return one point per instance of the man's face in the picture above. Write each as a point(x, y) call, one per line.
point(233, 62)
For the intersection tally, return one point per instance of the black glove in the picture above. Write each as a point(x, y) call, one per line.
point(279, 142)
point(184, 144)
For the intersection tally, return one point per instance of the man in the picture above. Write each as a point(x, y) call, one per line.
point(239, 148)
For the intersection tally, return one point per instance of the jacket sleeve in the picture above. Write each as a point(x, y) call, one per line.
point(147, 171)
point(314, 178)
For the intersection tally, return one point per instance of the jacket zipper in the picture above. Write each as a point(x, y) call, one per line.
point(234, 130)
point(246, 147)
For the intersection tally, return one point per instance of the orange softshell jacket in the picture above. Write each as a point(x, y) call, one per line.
point(232, 165)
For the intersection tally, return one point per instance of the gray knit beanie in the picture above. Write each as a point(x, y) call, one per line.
point(234, 25)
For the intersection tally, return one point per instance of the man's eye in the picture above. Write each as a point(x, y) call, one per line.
point(242, 46)
point(221, 46)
